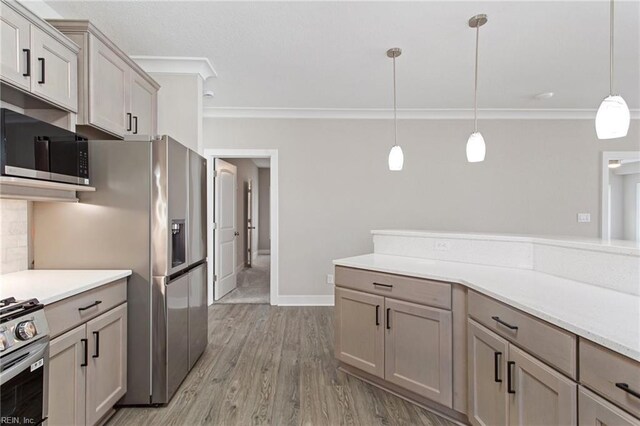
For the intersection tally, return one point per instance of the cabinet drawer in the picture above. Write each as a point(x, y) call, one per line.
point(416, 290)
point(602, 369)
point(549, 343)
point(69, 313)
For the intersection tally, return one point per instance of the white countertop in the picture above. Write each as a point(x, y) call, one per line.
point(50, 286)
point(604, 316)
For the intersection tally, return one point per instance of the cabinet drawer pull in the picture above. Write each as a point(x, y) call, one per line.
point(625, 387)
point(41, 60)
point(28, 72)
point(135, 125)
point(85, 345)
point(388, 317)
point(496, 367)
point(96, 334)
point(506, 324)
point(128, 122)
point(96, 303)
point(383, 285)
point(510, 376)
point(377, 314)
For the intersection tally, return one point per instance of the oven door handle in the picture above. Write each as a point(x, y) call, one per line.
point(37, 350)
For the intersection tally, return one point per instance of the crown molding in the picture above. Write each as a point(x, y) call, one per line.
point(406, 114)
point(176, 65)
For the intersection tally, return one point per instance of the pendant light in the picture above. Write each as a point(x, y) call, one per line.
point(476, 148)
point(612, 119)
point(396, 157)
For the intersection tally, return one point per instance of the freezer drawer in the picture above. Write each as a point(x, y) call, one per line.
point(177, 299)
point(198, 313)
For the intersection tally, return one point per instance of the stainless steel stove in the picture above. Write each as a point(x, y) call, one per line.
point(24, 362)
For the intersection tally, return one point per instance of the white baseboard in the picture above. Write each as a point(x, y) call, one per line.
point(240, 268)
point(304, 300)
point(264, 251)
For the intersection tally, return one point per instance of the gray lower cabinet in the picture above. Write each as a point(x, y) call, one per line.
point(88, 369)
point(418, 349)
point(68, 378)
point(509, 386)
point(107, 369)
point(539, 394)
point(408, 345)
point(487, 355)
point(359, 330)
point(595, 411)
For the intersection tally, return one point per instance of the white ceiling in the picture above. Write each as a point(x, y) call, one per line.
point(262, 163)
point(331, 55)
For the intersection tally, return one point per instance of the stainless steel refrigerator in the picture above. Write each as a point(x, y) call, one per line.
point(148, 214)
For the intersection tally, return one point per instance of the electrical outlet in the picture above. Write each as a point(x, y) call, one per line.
point(330, 279)
point(443, 246)
point(584, 217)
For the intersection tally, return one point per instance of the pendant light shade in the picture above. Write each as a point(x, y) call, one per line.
point(476, 148)
point(396, 157)
point(613, 118)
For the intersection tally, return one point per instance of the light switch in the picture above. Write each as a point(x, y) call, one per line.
point(330, 279)
point(584, 217)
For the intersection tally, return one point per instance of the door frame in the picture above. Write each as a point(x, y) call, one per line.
point(604, 186)
point(272, 154)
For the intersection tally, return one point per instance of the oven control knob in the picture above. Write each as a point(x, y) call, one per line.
point(26, 330)
point(5, 341)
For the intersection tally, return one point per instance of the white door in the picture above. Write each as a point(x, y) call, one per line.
point(226, 228)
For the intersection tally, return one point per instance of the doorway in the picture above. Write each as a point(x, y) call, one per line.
point(242, 211)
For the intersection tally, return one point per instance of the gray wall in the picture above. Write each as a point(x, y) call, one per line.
point(264, 197)
point(335, 186)
point(247, 170)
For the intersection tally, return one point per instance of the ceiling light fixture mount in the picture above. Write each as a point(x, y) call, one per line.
point(476, 148)
point(396, 156)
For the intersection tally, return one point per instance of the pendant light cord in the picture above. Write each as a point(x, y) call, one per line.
point(475, 95)
point(611, 49)
point(395, 112)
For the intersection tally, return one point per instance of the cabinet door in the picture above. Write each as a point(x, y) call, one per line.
point(54, 70)
point(109, 87)
point(359, 330)
point(15, 45)
point(418, 349)
point(539, 395)
point(595, 411)
point(143, 106)
point(486, 362)
point(107, 370)
point(67, 378)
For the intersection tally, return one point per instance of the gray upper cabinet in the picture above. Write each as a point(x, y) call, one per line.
point(116, 98)
point(15, 49)
point(37, 59)
point(108, 88)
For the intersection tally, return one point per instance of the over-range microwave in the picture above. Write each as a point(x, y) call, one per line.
point(37, 150)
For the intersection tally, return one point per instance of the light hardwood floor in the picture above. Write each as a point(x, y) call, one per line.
point(274, 365)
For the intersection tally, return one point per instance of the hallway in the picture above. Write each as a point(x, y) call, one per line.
point(253, 284)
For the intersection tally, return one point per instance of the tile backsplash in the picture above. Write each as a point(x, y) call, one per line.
point(14, 235)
